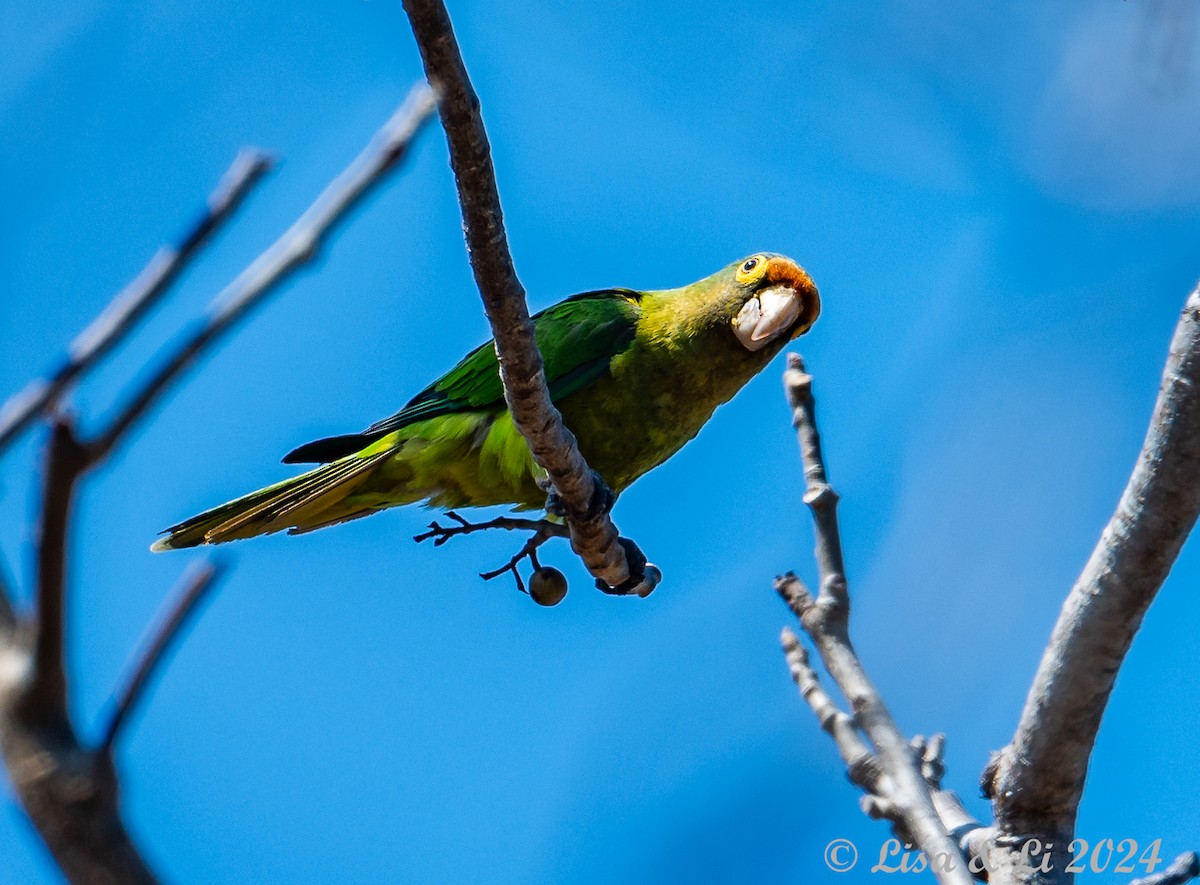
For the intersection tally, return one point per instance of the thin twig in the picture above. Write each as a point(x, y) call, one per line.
point(528, 551)
point(584, 498)
point(826, 620)
point(1038, 779)
point(136, 299)
point(861, 765)
point(299, 244)
point(179, 610)
point(440, 534)
point(543, 530)
point(1185, 868)
point(974, 839)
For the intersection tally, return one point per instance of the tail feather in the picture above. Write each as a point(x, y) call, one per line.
point(300, 503)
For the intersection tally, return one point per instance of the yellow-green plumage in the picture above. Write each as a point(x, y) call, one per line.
point(634, 374)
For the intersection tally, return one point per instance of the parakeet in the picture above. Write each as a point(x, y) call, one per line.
point(634, 374)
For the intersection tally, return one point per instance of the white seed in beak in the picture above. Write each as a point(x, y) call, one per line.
point(765, 316)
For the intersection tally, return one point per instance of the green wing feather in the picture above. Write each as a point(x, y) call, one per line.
point(578, 338)
point(393, 461)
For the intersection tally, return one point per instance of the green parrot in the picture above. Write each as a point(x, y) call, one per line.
point(634, 374)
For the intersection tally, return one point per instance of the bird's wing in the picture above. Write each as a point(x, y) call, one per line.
point(578, 338)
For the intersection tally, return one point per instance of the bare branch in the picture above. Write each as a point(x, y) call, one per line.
point(584, 499)
point(864, 770)
point(974, 839)
point(1185, 868)
point(528, 551)
point(819, 494)
point(299, 244)
point(543, 530)
point(930, 752)
point(44, 697)
point(902, 786)
point(193, 590)
point(72, 798)
point(70, 791)
point(1038, 779)
point(136, 299)
point(861, 765)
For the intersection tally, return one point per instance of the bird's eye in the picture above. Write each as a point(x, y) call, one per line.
point(750, 270)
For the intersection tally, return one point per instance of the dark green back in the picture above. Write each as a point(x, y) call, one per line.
point(578, 338)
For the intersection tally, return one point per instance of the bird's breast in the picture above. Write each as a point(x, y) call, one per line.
point(652, 402)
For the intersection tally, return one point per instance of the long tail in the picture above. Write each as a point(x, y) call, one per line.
point(302, 503)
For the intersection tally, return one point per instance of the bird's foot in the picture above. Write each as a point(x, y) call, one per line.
point(643, 576)
point(603, 498)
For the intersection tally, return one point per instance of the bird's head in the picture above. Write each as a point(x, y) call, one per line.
point(772, 299)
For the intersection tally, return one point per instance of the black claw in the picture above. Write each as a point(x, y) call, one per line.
point(634, 556)
point(636, 560)
point(603, 499)
point(554, 505)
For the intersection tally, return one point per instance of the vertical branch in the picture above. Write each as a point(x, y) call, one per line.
point(1037, 781)
point(45, 697)
point(584, 497)
point(819, 495)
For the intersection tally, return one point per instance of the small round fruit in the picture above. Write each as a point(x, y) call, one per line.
point(547, 586)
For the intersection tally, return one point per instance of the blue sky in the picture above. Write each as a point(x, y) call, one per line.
point(1000, 207)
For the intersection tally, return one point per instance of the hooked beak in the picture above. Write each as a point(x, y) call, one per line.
point(775, 309)
point(765, 316)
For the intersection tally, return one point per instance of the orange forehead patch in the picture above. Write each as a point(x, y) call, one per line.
point(785, 272)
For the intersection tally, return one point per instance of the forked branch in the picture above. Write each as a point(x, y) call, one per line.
point(296, 247)
point(542, 531)
point(68, 789)
point(887, 766)
point(135, 300)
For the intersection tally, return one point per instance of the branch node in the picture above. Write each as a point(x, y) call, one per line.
point(820, 496)
point(795, 594)
point(877, 808)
